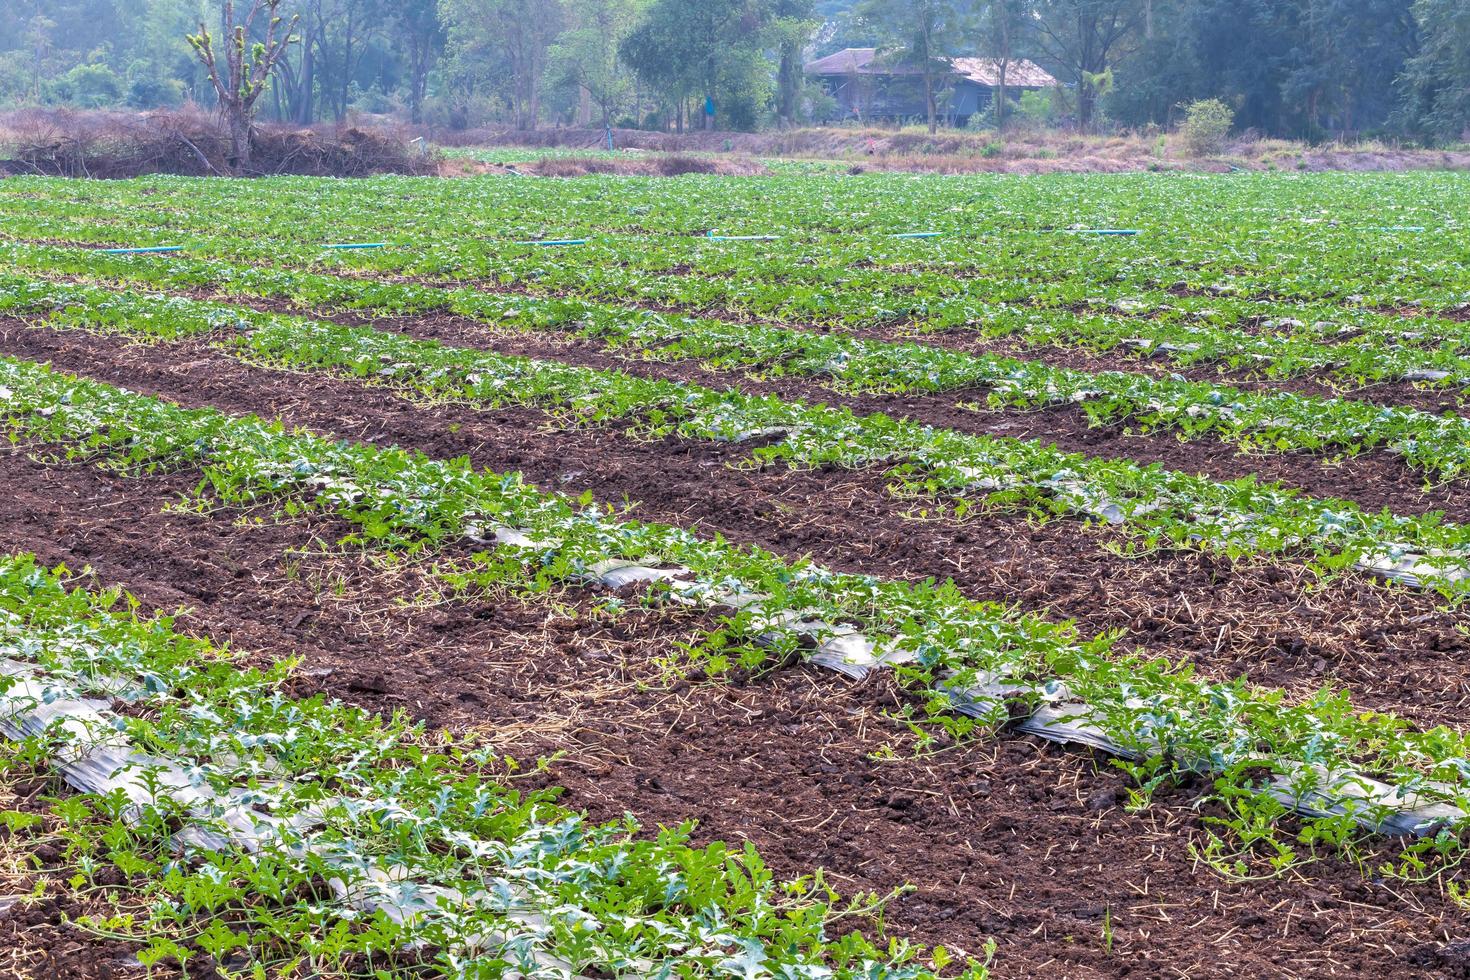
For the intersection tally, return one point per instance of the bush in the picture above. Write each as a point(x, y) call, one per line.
point(1206, 125)
point(87, 87)
point(1037, 107)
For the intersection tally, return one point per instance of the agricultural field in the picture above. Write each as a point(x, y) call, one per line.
point(807, 575)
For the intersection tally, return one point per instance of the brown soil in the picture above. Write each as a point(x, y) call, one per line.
point(651, 166)
point(1374, 479)
point(1395, 649)
point(956, 151)
point(1009, 839)
point(1319, 384)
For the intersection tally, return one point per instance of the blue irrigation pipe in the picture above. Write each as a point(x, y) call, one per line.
point(557, 241)
point(1413, 228)
point(150, 250)
point(740, 238)
point(357, 245)
point(1101, 231)
point(918, 234)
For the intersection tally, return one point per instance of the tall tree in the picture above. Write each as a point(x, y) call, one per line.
point(1005, 27)
point(922, 36)
point(240, 81)
point(586, 56)
point(502, 45)
point(793, 27)
point(698, 47)
point(1436, 81)
point(38, 36)
point(418, 24)
point(1087, 38)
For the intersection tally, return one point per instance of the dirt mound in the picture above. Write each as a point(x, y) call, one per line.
point(661, 166)
point(190, 142)
point(652, 166)
point(1020, 150)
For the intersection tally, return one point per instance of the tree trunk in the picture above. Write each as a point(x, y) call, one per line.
point(239, 142)
point(345, 91)
point(788, 83)
point(1003, 13)
point(929, 102)
point(1000, 96)
point(302, 112)
point(416, 93)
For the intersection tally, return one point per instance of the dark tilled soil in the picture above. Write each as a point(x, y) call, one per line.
point(1010, 839)
point(1374, 480)
point(1393, 648)
point(1319, 383)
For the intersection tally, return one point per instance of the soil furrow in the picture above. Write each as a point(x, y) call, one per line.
point(1374, 479)
point(1317, 384)
point(973, 829)
point(1395, 649)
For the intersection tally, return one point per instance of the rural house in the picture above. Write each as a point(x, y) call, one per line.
point(868, 86)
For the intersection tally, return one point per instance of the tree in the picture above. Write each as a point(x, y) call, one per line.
point(920, 35)
point(242, 79)
point(586, 54)
point(1436, 82)
point(423, 34)
point(1087, 37)
point(1301, 68)
point(792, 27)
point(501, 45)
point(700, 47)
point(38, 35)
point(1005, 25)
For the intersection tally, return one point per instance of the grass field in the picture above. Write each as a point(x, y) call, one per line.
point(805, 575)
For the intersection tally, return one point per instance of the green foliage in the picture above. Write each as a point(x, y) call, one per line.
point(1302, 68)
point(1436, 81)
point(1206, 127)
point(91, 86)
point(428, 844)
point(1037, 106)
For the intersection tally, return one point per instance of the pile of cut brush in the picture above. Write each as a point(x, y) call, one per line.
point(191, 142)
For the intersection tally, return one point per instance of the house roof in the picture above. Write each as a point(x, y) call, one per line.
point(1020, 73)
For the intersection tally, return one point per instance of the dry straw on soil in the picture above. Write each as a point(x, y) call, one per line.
point(191, 142)
point(1018, 150)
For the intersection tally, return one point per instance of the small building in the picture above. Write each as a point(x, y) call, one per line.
point(868, 86)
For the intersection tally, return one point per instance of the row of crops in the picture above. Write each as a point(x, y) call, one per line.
point(228, 800)
point(1348, 336)
point(966, 656)
point(1276, 421)
point(1329, 239)
point(1242, 516)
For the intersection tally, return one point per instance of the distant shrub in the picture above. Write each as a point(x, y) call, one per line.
point(87, 86)
point(1037, 107)
point(992, 149)
point(1206, 125)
